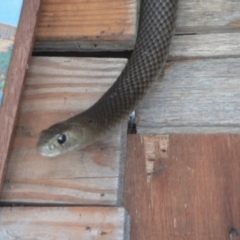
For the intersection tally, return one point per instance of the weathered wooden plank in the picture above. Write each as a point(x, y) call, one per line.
point(183, 187)
point(194, 96)
point(63, 223)
point(79, 25)
point(15, 78)
point(82, 25)
point(194, 13)
point(205, 45)
point(55, 89)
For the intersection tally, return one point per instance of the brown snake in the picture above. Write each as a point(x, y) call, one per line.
point(156, 27)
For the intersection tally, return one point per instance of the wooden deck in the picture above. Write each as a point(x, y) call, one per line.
point(182, 170)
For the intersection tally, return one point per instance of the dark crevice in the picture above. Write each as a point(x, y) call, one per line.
point(42, 205)
point(123, 54)
point(233, 234)
point(185, 34)
point(132, 129)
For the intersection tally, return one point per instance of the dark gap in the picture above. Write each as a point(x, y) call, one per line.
point(233, 233)
point(42, 205)
point(132, 128)
point(185, 34)
point(106, 54)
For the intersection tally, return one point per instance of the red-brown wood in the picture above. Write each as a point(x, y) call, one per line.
point(15, 78)
point(92, 25)
point(183, 187)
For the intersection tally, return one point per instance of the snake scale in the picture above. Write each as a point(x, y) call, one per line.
point(156, 28)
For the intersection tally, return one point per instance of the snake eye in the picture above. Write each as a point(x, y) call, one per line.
point(62, 138)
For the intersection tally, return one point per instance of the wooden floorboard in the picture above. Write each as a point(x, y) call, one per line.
point(79, 25)
point(55, 89)
point(193, 96)
point(63, 223)
point(217, 13)
point(205, 45)
point(183, 187)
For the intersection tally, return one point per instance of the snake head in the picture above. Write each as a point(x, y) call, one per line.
point(61, 138)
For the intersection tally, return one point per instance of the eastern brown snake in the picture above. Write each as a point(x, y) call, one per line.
point(156, 28)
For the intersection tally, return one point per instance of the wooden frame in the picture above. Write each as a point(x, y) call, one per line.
point(15, 78)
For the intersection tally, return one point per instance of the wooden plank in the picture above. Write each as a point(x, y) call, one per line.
point(55, 89)
point(63, 223)
point(193, 96)
point(77, 25)
point(15, 78)
point(206, 45)
point(183, 187)
point(208, 14)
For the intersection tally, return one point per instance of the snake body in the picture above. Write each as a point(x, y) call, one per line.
point(156, 27)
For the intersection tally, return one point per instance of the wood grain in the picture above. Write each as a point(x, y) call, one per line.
point(63, 223)
point(190, 192)
point(215, 13)
point(193, 96)
point(83, 25)
point(55, 89)
point(208, 45)
point(15, 78)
